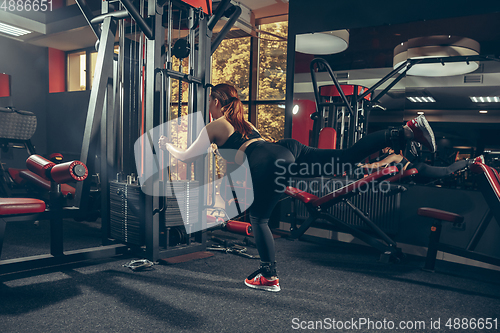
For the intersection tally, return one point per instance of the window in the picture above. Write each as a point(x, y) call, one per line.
point(78, 76)
point(77, 71)
point(231, 64)
point(272, 61)
point(271, 120)
point(272, 79)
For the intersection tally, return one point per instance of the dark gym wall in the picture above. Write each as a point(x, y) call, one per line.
point(324, 15)
point(60, 116)
point(66, 116)
point(27, 66)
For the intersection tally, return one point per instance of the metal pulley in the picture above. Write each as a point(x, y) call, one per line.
point(181, 49)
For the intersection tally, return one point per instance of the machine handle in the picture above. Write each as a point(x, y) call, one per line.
point(40, 166)
point(69, 171)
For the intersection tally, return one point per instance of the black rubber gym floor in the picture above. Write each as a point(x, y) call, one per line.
point(323, 285)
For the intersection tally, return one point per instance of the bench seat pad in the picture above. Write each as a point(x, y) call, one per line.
point(16, 206)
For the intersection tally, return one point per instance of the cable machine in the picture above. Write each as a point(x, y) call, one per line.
point(131, 98)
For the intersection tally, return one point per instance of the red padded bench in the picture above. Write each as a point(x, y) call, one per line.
point(10, 207)
point(489, 184)
point(317, 209)
point(26, 209)
point(337, 195)
point(434, 245)
point(23, 176)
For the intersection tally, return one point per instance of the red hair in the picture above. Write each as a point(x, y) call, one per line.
point(232, 108)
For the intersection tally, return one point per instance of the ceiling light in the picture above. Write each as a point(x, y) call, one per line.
point(295, 109)
point(326, 42)
point(437, 47)
point(420, 112)
point(421, 99)
point(487, 99)
point(483, 111)
point(13, 31)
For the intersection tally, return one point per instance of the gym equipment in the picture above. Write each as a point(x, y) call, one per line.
point(489, 185)
point(16, 129)
point(318, 209)
point(131, 95)
point(239, 227)
point(327, 138)
point(139, 265)
point(27, 209)
point(233, 249)
point(343, 108)
point(349, 123)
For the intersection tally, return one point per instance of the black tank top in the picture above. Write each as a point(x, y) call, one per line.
point(234, 142)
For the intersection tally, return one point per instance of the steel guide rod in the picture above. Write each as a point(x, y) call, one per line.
point(221, 8)
point(152, 88)
point(334, 79)
point(103, 72)
point(229, 24)
point(146, 29)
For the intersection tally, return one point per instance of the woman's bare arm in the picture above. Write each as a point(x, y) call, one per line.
point(197, 149)
point(383, 163)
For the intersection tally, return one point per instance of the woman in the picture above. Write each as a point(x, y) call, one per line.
point(230, 130)
point(424, 170)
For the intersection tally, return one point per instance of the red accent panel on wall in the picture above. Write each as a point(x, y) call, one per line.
point(4, 85)
point(57, 4)
point(57, 71)
point(302, 123)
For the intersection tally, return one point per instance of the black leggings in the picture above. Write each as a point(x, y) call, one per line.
point(430, 171)
point(272, 164)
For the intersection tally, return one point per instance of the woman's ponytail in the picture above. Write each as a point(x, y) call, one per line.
point(232, 108)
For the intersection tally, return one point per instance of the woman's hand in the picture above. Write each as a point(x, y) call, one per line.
point(163, 142)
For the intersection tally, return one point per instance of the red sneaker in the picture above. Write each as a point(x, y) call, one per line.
point(479, 159)
point(422, 132)
point(260, 282)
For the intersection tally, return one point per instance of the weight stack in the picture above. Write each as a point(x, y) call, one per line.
point(184, 201)
point(127, 213)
